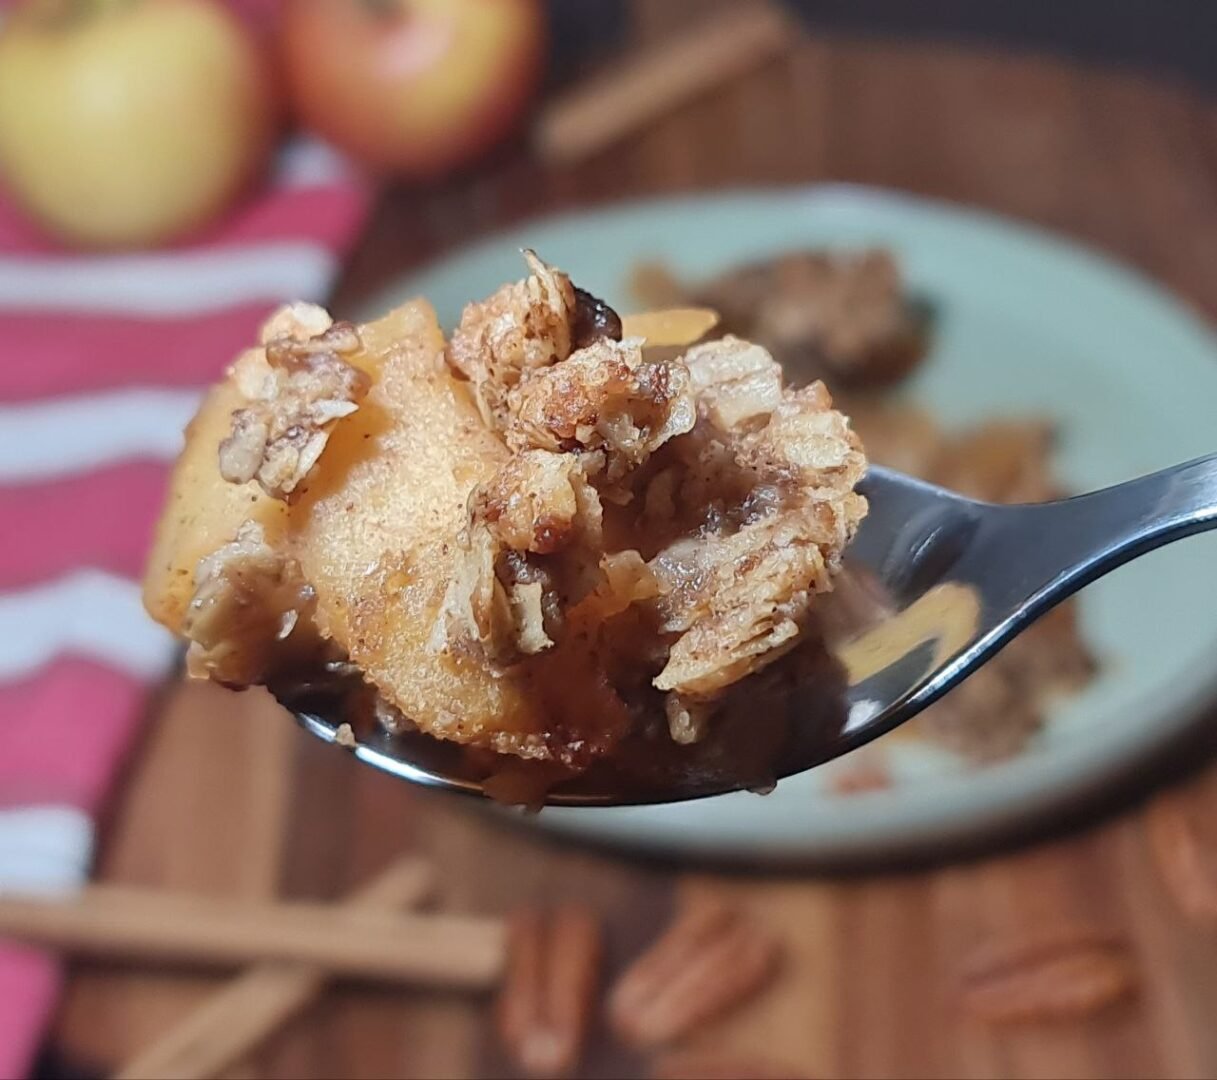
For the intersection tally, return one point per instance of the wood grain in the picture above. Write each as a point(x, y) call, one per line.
point(228, 799)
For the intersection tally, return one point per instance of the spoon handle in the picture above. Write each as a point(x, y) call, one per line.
point(1051, 550)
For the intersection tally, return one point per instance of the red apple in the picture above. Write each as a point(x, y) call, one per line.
point(416, 87)
point(126, 123)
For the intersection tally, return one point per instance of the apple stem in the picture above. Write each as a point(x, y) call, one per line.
point(382, 8)
point(70, 11)
point(104, 6)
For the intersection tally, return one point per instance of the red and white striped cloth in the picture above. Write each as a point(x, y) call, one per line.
point(102, 358)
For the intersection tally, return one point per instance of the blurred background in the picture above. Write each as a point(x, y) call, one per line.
point(173, 169)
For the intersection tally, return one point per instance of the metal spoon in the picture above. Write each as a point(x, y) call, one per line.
point(948, 582)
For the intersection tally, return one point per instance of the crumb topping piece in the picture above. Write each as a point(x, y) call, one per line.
point(251, 613)
point(540, 503)
point(737, 591)
point(525, 326)
point(580, 410)
point(605, 398)
point(295, 397)
point(734, 381)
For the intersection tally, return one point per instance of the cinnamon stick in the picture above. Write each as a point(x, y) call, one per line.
point(437, 950)
point(232, 1022)
point(648, 84)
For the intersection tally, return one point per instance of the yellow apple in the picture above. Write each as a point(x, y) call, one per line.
point(129, 122)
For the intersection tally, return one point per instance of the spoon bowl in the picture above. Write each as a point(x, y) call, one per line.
point(934, 585)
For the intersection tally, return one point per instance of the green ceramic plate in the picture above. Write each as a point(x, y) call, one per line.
point(1027, 324)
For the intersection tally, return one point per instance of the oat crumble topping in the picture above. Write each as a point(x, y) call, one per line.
point(295, 396)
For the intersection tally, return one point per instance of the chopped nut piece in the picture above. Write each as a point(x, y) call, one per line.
point(298, 393)
point(345, 736)
point(523, 328)
point(710, 960)
point(1054, 974)
point(251, 613)
point(475, 609)
point(548, 997)
point(540, 502)
point(604, 397)
point(300, 321)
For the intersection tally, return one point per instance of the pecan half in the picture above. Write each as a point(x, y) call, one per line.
point(710, 960)
point(548, 997)
point(1186, 853)
point(1058, 974)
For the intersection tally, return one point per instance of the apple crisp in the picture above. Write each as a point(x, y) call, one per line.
point(531, 539)
point(849, 317)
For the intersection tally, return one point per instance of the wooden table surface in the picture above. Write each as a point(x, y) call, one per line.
point(228, 797)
